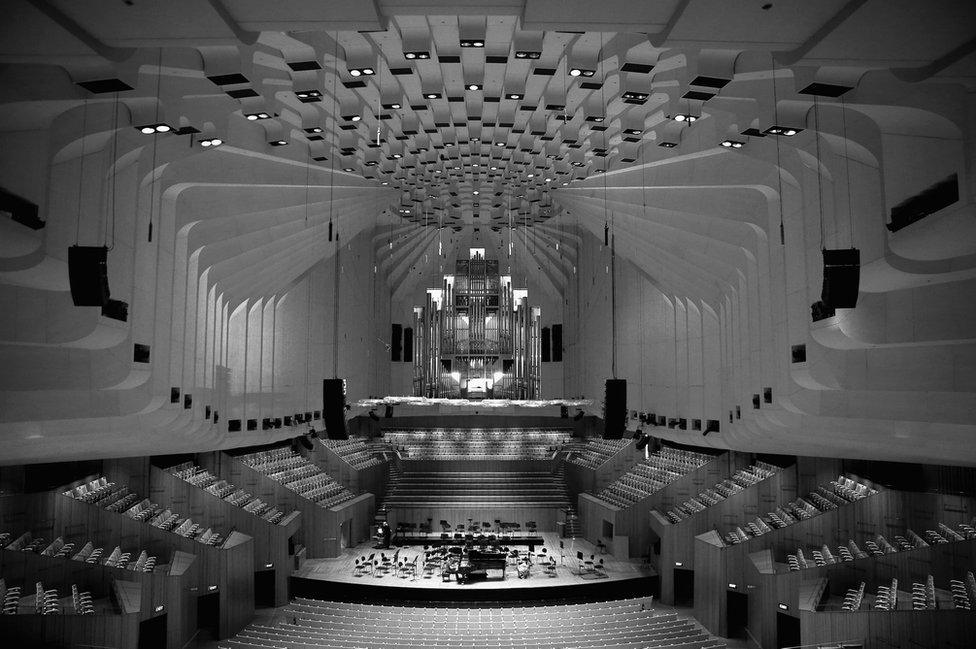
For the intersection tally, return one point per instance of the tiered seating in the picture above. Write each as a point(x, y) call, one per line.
point(119, 499)
point(296, 473)
point(227, 492)
point(837, 493)
point(621, 623)
point(353, 451)
point(739, 481)
point(476, 489)
point(925, 596)
point(878, 545)
point(651, 474)
point(597, 451)
point(45, 601)
point(88, 553)
point(478, 443)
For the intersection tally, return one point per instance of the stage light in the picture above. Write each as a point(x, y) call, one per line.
point(514, 95)
point(433, 95)
point(732, 144)
point(474, 86)
point(684, 117)
point(355, 118)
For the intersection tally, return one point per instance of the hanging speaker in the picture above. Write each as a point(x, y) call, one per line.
point(545, 344)
point(557, 343)
point(88, 275)
point(408, 344)
point(615, 409)
point(396, 342)
point(841, 276)
point(334, 410)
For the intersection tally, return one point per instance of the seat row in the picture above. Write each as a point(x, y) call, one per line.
point(88, 553)
point(596, 452)
point(298, 474)
point(924, 596)
point(650, 475)
point(44, 601)
point(738, 481)
point(203, 479)
point(120, 500)
point(353, 451)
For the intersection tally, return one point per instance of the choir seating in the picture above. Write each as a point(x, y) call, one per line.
point(203, 479)
point(596, 452)
point(650, 475)
point(297, 474)
point(613, 624)
point(477, 443)
point(476, 489)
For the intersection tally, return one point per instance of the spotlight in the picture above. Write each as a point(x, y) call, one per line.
point(314, 129)
point(580, 72)
point(394, 106)
point(633, 131)
point(637, 96)
point(356, 118)
point(684, 117)
point(527, 54)
point(474, 86)
point(355, 73)
point(418, 54)
point(256, 116)
point(472, 43)
point(514, 95)
point(368, 71)
point(732, 144)
point(668, 145)
point(348, 169)
point(150, 129)
point(278, 143)
point(433, 95)
point(215, 141)
point(782, 130)
point(476, 192)
point(308, 96)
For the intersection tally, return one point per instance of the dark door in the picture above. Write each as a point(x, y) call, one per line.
point(684, 587)
point(208, 614)
point(264, 588)
point(738, 613)
point(787, 630)
point(152, 633)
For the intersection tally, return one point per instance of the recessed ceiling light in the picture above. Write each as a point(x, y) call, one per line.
point(474, 86)
point(356, 118)
point(732, 144)
point(355, 73)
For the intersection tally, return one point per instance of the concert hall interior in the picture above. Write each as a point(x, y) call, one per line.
point(317, 331)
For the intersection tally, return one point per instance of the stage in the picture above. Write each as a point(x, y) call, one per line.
point(337, 578)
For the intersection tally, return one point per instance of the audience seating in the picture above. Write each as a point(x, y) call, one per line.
point(353, 451)
point(838, 493)
point(88, 553)
point(296, 473)
point(879, 546)
point(597, 451)
point(476, 489)
point(227, 492)
point(46, 601)
point(477, 443)
point(119, 499)
point(651, 474)
point(613, 624)
point(924, 596)
point(739, 481)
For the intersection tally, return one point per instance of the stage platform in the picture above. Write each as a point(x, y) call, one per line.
point(336, 578)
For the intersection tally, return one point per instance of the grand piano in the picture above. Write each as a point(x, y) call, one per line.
point(478, 563)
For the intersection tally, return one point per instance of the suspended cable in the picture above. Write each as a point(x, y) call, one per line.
point(847, 172)
point(779, 170)
point(820, 198)
point(115, 174)
point(81, 169)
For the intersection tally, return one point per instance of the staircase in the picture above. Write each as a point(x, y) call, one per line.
point(572, 529)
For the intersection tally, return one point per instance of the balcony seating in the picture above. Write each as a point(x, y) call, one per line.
point(477, 443)
point(297, 474)
point(620, 623)
point(837, 493)
point(353, 451)
point(924, 596)
point(479, 489)
point(109, 496)
point(739, 481)
point(227, 492)
point(596, 452)
point(650, 475)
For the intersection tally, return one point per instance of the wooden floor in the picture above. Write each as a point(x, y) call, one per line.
point(342, 569)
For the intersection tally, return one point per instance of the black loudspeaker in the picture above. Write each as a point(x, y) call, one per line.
point(174, 395)
point(768, 395)
point(334, 408)
point(642, 442)
point(711, 426)
point(408, 345)
point(187, 401)
point(564, 412)
point(88, 275)
point(798, 353)
point(396, 343)
point(252, 424)
point(841, 276)
point(233, 425)
point(546, 342)
point(389, 412)
point(557, 343)
point(755, 401)
point(615, 409)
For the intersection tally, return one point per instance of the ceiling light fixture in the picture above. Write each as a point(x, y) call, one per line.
point(732, 144)
point(580, 72)
point(418, 54)
point(474, 86)
point(215, 141)
point(782, 130)
point(256, 116)
point(684, 117)
point(150, 129)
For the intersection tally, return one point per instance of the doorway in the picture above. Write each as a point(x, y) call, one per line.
point(208, 614)
point(684, 587)
point(738, 613)
point(264, 588)
point(152, 633)
point(787, 630)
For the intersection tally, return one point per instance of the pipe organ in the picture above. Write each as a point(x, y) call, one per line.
point(476, 336)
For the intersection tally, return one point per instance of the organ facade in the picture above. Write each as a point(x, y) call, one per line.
point(477, 336)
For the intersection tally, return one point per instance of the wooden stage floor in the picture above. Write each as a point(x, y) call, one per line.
point(341, 570)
